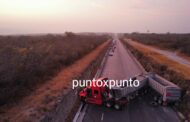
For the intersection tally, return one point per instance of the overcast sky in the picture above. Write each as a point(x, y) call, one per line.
point(58, 16)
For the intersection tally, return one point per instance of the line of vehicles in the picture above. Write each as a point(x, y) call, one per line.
point(161, 90)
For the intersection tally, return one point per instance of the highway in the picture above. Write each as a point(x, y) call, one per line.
point(122, 66)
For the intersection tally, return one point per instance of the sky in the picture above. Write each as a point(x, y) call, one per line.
point(120, 16)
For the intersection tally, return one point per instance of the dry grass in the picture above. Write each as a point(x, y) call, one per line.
point(180, 68)
point(175, 42)
point(43, 99)
point(27, 61)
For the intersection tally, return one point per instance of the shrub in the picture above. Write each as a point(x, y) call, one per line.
point(26, 61)
point(177, 42)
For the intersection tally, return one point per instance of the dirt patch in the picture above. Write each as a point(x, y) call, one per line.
point(184, 56)
point(47, 96)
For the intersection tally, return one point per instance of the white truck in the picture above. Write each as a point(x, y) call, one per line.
point(164, 90)
point(131, 92)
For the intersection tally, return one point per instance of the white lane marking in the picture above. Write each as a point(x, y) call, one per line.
point(76, 93)
point(82, 114)
point(181, 115)
point(78, 113)
point(165, 110)
point(102, 118)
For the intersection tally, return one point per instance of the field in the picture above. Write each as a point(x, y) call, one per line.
point(175, 42)
point(26, 61)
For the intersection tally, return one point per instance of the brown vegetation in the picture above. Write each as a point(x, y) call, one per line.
point(29, 60)
point(44, 98)
point(176, 42)
point(173, 65)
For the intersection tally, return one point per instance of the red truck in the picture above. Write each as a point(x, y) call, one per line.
point(116, 97)
point(120, 96)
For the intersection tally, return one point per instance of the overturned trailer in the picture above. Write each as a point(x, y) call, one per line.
point(116, 96)
point(165, 91)
point(130, 92)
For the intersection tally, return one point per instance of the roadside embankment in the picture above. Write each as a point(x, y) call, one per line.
point(171, 70)
point(55, 100)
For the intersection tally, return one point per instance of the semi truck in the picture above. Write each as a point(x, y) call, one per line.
point(116, 97)
point(164, 91)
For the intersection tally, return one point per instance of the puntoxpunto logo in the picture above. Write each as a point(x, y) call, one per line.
point(105, 83)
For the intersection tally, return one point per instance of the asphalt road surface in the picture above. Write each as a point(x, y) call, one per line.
point(122, 66)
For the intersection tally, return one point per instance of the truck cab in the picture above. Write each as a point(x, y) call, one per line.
point(94, 94)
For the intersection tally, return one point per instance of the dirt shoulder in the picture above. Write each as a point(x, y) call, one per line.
point(44, 98)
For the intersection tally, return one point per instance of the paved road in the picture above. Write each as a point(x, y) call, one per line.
point(120, 66)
